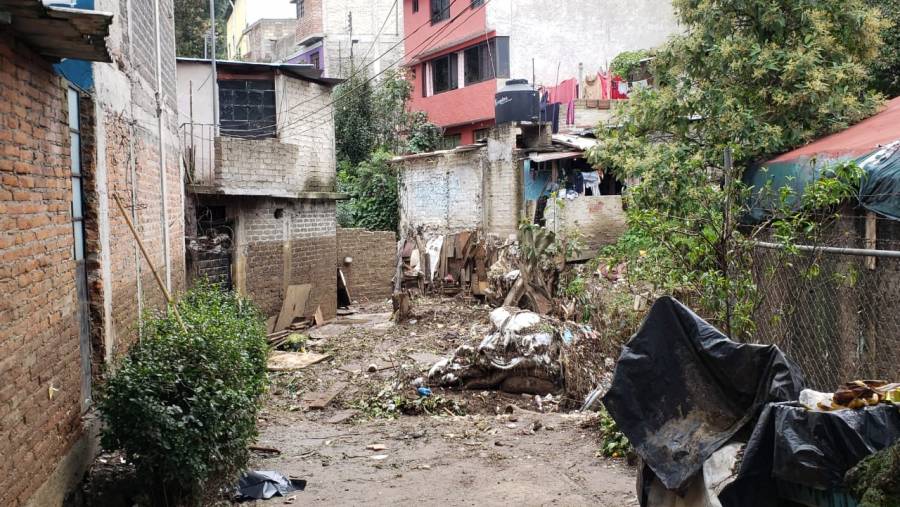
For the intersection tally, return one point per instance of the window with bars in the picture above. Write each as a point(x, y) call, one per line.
point(477, 3)
point(301, 8)
point(75, 157)
point(415, 6)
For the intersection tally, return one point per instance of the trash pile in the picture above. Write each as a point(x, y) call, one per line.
point(721, 423)
point(520, 356)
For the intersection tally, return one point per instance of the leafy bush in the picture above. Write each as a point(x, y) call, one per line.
point(372, 185)
point(183, 403)
point(613, 443)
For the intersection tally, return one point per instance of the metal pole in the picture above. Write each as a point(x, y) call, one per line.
point(859, 252)
point(215, 74)
point(162, 153)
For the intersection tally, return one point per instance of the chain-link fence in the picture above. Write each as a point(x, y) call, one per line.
point(835, 314)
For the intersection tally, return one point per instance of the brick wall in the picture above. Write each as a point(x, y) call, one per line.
point(599, 219)
point(374, 255)
point(39, 344)
point(311, 21)
point(283, 242)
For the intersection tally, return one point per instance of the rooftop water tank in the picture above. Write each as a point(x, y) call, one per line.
point(517, 101)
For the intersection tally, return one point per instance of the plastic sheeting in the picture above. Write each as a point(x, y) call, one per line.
point(266, 484)
point(814, 449)
point(682, 389)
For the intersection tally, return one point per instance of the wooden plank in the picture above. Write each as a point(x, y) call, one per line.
point(320, 400)
point(291, 361)
point(320, 319)
point(871, 239)
point(294, 305)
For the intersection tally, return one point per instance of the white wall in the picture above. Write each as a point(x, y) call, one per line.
point(368, 17)
point(195, 79)
point(566, 32)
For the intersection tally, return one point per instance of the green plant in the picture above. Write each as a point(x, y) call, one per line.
point(374, 203)
point(389, 404)
point(183, 402)
point(613, 443)
point(875, 481)
point(750, 78)
point(627, 62)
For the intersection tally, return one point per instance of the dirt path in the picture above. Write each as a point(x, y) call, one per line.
point(501, 452)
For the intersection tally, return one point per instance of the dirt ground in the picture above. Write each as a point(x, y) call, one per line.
point(464, 448)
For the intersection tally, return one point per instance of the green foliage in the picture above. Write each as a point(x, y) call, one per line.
point(613, 443)
point(372, 185)
point(757, 77)
point(424, 136)
point(354, 119)
point(886, 68)
point(183, 404)
point(389, 404)
point(875, 481)
point(626, 62)
point(192, 24)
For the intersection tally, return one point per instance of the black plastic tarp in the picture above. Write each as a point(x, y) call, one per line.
point(809, 448)
point(262, 485)
point(681, 389)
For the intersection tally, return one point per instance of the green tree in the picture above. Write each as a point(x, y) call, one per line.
point(192, 24)
point(372, 121)
point(886, 69)
point(757, 77)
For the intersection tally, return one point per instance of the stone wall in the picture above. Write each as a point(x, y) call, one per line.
point(281, 242)
point(39, 339)
point(374, 262)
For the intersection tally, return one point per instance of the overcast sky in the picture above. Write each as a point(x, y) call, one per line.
point(257, 9)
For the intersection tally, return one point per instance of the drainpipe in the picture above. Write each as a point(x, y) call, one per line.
point(215, 75)
point(162, 152)
point(134, 184)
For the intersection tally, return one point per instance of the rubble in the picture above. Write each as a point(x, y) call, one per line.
point(521, 355)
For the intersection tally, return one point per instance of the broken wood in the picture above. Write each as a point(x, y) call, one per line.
point(291, 361)
point(262, 448)
point(320, 400)
point(293, 306)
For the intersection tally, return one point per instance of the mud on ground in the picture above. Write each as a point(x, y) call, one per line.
point(460, 447)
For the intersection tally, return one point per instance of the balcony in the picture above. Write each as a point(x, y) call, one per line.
point(232, 163)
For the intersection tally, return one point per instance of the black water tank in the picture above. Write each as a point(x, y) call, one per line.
point(517, 101)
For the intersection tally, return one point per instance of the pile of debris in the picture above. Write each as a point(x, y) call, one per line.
point(447, 264)
point(521, 356)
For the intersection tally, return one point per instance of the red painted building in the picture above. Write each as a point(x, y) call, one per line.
point(449, 53)
point(459, 52)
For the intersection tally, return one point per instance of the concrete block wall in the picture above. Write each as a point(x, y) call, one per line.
point(39, 342)
point(374, 255)
point(503, 185)
point(368, 17)
point(600, 220)
point(283, 242)
point(260, 165)
point(442, 192)
point(308, 124)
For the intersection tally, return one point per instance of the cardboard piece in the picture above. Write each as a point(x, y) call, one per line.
point(291, 361)
point(294, 305)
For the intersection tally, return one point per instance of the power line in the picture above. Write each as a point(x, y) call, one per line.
point(380, 73)
point(382, 55)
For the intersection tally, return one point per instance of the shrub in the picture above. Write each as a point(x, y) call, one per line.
point(183, 403)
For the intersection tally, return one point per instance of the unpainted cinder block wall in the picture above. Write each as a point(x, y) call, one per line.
point(374, 262)
point(283, 242)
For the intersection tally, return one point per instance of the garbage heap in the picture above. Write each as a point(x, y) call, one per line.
point(521, 355)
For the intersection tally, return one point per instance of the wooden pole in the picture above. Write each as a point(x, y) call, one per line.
point(162, 286)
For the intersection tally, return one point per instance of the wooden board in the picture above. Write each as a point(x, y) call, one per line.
point(320, 400)
point(320, 319)
point(294, 305)
point(291, 361)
